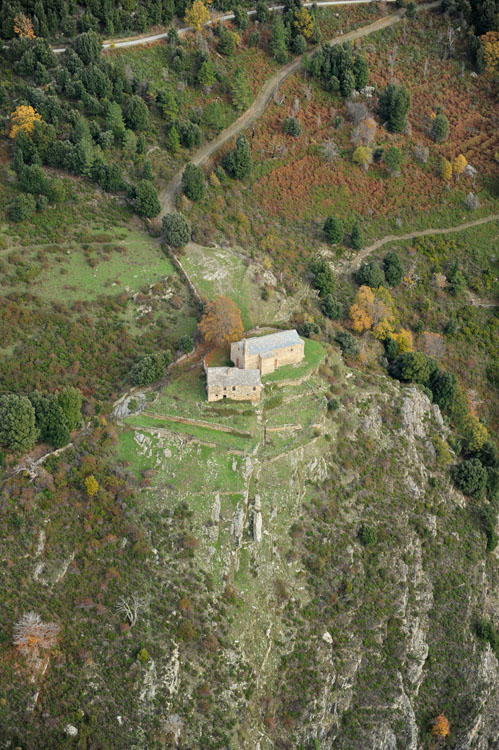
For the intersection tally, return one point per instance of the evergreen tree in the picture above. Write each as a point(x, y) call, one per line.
point(238, 162)
point(207, 74)
point(440, 128)
point(262, 12)
point(394, 103)
point(176, 230)
point(137, 115)
point(361, 72)
point(146, 202)
point(392, 268)
point(193, 182)
point(356, 240)
point(240, 90)
point(173, 140)
point(370, 274)
point(333, 229)
point(17, 423)
point(278, 44)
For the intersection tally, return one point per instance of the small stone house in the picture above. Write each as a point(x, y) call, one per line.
point(233, 383)
point(266, 353)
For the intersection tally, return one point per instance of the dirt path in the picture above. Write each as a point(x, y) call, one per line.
point(355, 263)
point(140, 39)
point(263, 99)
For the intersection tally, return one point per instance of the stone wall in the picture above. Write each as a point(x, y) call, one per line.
point(236, 393)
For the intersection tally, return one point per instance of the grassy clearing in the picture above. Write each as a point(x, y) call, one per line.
point(126, 265)
point(314, 354)
point(205, 434)
point(227, 272)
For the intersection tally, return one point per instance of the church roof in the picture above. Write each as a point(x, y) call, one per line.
point(229, 376)
point(265, 345)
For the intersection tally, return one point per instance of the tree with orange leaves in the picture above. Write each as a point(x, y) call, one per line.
point(32, 637)
point(24, 118)
point(23, 26)
point(221, 322)
point(362, 309)
point(440, 726)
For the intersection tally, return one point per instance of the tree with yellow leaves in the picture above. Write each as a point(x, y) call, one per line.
point(197, 15)
point(446, 169)
point(440, 726)
point(460, 164)
point(475, 433)
point(221, 322)
point(23, 26)
point(91, 486)
point(404, 341)
point(304, 23)
point(490, 42)
point(24, 118)
point(373, 308)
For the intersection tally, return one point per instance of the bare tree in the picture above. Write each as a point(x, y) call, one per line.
point(471, 202)
point(357, 111)
point(330, 151)
point(421, 153)
point(308, 93)
point(130, 608)
point(425, 68)
point(392, 58)
point(296, 106)
point(32, 637)
point(364, 133)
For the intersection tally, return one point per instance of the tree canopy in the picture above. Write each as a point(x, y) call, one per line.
point(221, 322)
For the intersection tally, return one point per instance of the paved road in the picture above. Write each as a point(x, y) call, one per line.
point(149, 38)
point(263, 99)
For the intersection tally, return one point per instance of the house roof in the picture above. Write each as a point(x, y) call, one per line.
point(229, 376)
point(265, 345)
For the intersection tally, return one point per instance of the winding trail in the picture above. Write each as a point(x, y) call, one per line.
point(264, 97)
point(354, 264)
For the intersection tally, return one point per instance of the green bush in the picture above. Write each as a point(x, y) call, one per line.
point(330, 307)
point(370, 274)
point(150, 368)
point(368, 535)
point(470, 477)
point(186, 344)
point(324, 279)
point(347, 343)
point(392, 268)
point(291, 126)
point(23, 207)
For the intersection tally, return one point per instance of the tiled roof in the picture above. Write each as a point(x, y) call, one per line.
point(272, 341)
point(229, 376)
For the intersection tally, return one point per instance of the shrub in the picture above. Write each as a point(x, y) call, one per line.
point(23, 207)
point(291, 126)
point(176, 230)
point(137, 114)
point(186, 344)
point(193, 182)
point(333, 229)
point(368, 535)
point(347, 343)
point(149, 369)
point(393, 159)
point(470, 477)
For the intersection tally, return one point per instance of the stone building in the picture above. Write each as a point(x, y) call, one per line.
point(266, 353)
point(231, 382)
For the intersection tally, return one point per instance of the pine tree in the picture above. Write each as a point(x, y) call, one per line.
point(240, 90)
point(278, 40)
point(239, 162)
point(356, 237)
point(173, 140)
